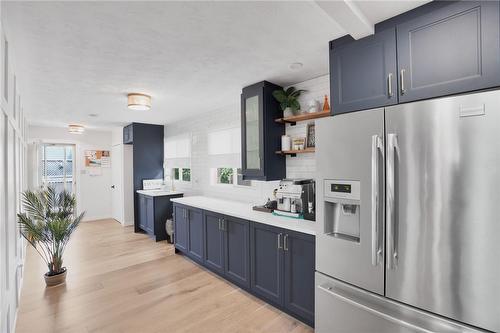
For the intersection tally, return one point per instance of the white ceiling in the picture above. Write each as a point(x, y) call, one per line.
point(73, 59)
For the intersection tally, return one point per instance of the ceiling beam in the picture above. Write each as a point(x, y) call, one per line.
point(347, 14)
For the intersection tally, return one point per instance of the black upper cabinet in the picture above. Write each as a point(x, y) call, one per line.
point(449, 50)
point(363, 73)
point(260, 134)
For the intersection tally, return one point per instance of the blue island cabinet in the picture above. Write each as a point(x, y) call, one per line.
point(153, 213)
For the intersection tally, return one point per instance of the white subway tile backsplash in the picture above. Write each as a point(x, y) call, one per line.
point(301, 166)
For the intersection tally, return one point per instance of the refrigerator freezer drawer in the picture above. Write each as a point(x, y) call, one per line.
point(342, 308)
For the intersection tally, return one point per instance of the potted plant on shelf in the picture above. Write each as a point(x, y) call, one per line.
point(289, 100)
point(47, 224)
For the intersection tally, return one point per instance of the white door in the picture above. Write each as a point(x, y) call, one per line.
point(116, 184)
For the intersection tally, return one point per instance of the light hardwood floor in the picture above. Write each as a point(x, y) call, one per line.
point(119, 281)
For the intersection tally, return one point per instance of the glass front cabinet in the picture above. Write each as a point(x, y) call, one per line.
point(260, 134)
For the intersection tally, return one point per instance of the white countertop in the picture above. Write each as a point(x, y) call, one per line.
point(245, 211)
point(158, 193)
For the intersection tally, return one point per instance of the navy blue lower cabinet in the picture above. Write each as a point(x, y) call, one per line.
point(266, 262)
point(142, 209)
point(181, 228)
point(299, 266)
point(195, 234)
point(213, 254)
point(275, 264)
point(150, 215)
point(237, 250)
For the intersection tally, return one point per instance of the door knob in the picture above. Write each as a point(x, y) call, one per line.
point(112, 186)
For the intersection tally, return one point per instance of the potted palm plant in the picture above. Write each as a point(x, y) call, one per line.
point(289, 100)
point(47, 224)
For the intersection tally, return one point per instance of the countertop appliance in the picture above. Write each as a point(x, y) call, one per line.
point(296, 198)
point(408, 217)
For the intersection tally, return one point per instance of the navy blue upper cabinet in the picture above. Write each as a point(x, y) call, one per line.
point(237, 250)
point(260, 134)
point(449, 50)
point(128, 134)
point(363, 72)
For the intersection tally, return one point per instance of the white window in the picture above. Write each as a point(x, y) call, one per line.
point(181, 174)
point(178, 158)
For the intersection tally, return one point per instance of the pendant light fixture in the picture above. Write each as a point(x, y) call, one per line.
point(76, 129)
point(139, 102)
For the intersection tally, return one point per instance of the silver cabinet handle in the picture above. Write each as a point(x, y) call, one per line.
point(220, 227)
point(285, 243)
point(279, 240)
point(392, 147)
point(389, 85)
point(223, 224)
point(377, 145)
point(402, 79)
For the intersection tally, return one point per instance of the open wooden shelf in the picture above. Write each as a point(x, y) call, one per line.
point(295, 152)
point(304, 116)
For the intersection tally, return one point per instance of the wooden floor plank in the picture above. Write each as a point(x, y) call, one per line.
point(120, 281)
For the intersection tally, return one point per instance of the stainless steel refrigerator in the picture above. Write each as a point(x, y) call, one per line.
point(408, 218)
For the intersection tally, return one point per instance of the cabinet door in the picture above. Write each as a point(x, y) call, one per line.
point(237, 250)
point(450, 50)
point(363, 73)
point(299, 266)
point(142, 213)
point(252, 131)
point(181, 228)
point(266, 262)
point(150, 215)
point(213, 256)
point(195, 234)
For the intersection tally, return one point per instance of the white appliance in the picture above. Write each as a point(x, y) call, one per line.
point(152, 184)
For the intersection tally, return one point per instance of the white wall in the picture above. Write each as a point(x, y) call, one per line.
point(302, 166)
point(13, 180)
point(93, 193)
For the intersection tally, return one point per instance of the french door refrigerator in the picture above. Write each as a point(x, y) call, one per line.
point(408, 231)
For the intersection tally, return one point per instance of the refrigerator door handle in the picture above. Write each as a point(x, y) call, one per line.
point(392, 147)
point(377, 145)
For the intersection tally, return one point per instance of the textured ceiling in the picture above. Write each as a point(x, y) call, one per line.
point(73, 59)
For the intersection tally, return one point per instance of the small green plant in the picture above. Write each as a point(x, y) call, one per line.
point(47, 224)
point(225, 175)
point(288, 98)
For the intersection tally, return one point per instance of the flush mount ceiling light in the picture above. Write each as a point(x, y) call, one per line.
point(140, 102)
point(76, 129)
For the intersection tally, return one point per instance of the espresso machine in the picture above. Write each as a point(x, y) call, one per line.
point(296, 198)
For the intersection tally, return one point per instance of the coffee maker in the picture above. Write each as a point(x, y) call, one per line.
point(297, 198)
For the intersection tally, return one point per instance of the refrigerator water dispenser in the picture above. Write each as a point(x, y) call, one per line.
point(342, 205)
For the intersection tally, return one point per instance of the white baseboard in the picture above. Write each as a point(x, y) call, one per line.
point(94, 218)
